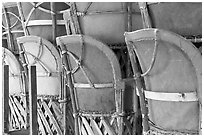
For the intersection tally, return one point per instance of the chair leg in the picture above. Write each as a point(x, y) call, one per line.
point(5, 99)
point(33, 101)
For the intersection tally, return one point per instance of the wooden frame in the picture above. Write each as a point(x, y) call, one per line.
point(10, 29)
point(5, 99)
point(145, 15)
point(33, 100)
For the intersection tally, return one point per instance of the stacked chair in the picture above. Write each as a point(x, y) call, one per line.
point(94, 79)
point(170, 98)
point(78, 85)
point(20, 117)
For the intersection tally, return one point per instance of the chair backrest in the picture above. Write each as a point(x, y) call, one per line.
point(37, 18)
point(96, 73)
point(183, 18)
point(15, 69)
point(171, 69)
point(11, 26)
point(96, 85)
point(109, 19)
point(45, 56)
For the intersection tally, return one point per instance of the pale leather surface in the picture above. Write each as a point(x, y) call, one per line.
point(48, 57)
point(108, 28)
point(101, 66)
point(14, 71)
point(44, 31)
point(177, 69)
point(184, 18)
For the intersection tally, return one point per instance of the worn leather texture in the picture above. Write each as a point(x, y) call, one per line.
point(177, 68)
point(44, 31)
point(107, 27)
point(101, 67)
point(8, 58)
point(184, 18)
point(46, 58)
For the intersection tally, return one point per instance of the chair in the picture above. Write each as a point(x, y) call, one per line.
point(93, 77)
point(44, 55)
point(171, 70)
point(15, 110)
point(16, 87)
point(38, 51)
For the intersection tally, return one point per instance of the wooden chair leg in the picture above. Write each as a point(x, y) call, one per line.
point(33, 101)
point(5, 99)
point(54, 22)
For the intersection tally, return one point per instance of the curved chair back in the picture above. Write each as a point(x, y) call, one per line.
point(94, 79)
point(43, 19)
point(183, 18)
point(44, 55)
point(171, 68)
point(18, 89)
point(109, 20)
point(15, 69)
